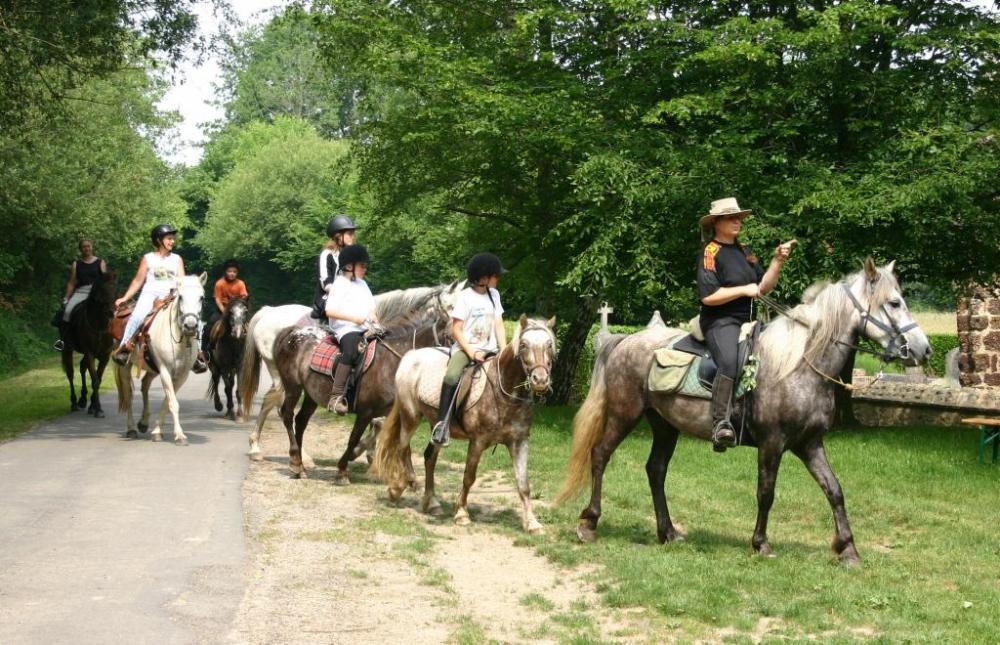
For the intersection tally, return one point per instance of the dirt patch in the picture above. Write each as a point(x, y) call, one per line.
point(332, 564)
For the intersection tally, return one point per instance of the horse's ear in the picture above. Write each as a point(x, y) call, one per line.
point(523, 320)
point(551, 322)
point(891, 267)
point(871, 271)
point(203, 278)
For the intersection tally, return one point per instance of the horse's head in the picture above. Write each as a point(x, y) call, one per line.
point(534, 344)
point(106, 289)
point(882, 316)
point(237, 315)
point(190, 293)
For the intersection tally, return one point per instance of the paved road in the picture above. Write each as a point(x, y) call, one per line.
point(106, 540)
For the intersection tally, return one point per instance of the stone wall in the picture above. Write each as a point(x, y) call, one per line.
point(979, 337)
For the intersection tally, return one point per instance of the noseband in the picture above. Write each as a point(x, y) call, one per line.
point(897, 346)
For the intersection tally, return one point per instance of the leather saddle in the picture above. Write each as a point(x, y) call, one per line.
point(694, 343)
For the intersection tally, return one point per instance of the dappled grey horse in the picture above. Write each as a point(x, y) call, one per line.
point(800, 355)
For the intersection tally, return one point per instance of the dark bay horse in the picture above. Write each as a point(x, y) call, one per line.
point(375, 394)
point(88, 335)
point(226, 353)
point(502, 414)
point(800, 355)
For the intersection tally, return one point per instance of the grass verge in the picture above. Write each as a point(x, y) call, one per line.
point(32, 397)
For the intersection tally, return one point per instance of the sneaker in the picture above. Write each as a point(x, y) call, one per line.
point(439, 434)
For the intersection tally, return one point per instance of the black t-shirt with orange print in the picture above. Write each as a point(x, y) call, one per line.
point(727, 265)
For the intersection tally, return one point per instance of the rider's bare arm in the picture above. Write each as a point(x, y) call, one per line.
point(71, 284)
point(136, 284)
point(501, 333)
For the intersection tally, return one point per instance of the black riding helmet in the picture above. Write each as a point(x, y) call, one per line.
point(230, 263)
point(160, 231)
point(340, 223)
point(352, 254)
point(483, 265)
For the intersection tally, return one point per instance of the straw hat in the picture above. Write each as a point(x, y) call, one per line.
point(722, 208)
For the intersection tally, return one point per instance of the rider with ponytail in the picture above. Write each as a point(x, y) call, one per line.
point(477, 327)
point(350, 307)
point(730, 277)
point(340, 229)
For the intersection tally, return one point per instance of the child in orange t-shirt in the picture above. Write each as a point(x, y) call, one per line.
point(227, 287)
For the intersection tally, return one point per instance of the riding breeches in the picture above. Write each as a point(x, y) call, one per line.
point(459, 361)
point(350, 347)
point(143, 306)
point(76, 298)
point(723, 339)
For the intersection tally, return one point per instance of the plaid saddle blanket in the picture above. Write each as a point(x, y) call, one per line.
point(324, 356)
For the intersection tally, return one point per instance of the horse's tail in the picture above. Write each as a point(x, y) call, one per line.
point(387, 464)
point(249, 379)
point(588, 426)
point(123, 381)
point(213, 386)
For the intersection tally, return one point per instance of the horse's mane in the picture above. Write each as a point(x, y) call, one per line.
point(397, 305)
point(827, 312)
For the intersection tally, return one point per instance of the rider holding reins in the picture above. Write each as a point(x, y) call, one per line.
point(477, 327)
point(83, 274)
point(730, 277)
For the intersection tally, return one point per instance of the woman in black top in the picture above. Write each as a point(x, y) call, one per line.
point(730, 277)
point(83, 273)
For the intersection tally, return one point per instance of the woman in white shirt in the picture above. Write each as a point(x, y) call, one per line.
point(159, 273)
point(350, 308)
point(477, 327)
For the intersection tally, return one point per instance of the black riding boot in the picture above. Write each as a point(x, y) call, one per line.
point(723, 435)
point(439, 434)
point(338, 402)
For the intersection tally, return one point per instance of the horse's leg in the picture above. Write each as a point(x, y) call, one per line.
point(287, 417)
point(147, 380)
point(768, 462)
point(227, 384)
point(302, 420)
point(429, 504)
point(614, 432)
point(519, 456)
point(271, 399)
point(170, 402)
point(340, 478)
point(125, 373)
point(664, 442)
point(82, 401)
point(239, 399)
point(468, 479)
point(98, 378)
point(68, 368)
point(814, 457)
point(214, 385)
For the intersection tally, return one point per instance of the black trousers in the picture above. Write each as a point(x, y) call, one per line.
point(350, 349)
point(723, 339)
point(206, 331)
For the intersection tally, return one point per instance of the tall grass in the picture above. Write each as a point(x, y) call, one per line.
point(34, 396)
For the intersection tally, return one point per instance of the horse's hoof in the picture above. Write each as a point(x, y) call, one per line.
point(849, 558)
point(585, 534)
point(131, 434)
point(143, 427)
point(157, 437)
point(395, 494)
point(181, 441)
point(256, 456)
point(432, 507)
point(218, 406)
point(538, 529)
point(462, 520)
point(98, 414)
point(765, 551)
point(240, 419)
point(341, 479)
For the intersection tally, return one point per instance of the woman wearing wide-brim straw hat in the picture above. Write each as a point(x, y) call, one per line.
point(730, 277)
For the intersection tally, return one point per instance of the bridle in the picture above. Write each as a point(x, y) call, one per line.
point(528, 372)
point(895, 332)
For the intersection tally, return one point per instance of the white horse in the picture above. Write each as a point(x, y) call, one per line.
point(269, 322)
point(173, 344)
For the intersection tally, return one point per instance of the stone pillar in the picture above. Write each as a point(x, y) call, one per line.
point(979, 337)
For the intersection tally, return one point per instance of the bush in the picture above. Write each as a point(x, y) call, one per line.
point(20, 342)
point(941, 344)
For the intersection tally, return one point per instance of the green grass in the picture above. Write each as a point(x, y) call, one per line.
point(924, 515)
point(32, 397)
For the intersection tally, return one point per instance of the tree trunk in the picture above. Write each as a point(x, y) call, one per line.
point(564, 370)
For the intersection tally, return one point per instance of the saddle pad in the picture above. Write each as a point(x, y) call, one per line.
point(434, 364)
point(472, 386)
point(369, 357)
point(116, 326)
point(324, 356)
point(669, 370)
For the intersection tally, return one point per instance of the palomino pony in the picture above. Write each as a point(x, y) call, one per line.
point(502, 414)
point(88, 335)
point(266, 324)
point(226, 352)
point(173, 345)
point(375, 392)
point(793, 403)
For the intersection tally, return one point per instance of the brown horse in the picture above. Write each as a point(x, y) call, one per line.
point(88, 335)
point(501, 413)
point(375, 393)
point(226, 353)
point(793, 403)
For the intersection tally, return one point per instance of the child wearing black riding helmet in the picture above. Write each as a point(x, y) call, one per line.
point(476, 326)
point(350, 308)
point(341, 230)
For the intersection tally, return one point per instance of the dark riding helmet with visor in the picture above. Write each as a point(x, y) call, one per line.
point(340, 223)
point(160, 231)
point(483, 265)
point(353, 254)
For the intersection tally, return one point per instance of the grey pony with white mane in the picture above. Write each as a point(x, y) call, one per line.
point(801, 354)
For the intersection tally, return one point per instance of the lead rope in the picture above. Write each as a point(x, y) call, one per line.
point(787, 312)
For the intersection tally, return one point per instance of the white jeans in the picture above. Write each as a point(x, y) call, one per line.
point(143, 306)
point(75, 299)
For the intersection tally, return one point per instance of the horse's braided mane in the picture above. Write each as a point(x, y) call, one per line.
point(826, 312)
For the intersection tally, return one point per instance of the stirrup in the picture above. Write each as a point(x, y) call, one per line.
point(723, 436)
point(439, 434)
point(121, 355)
point(338, 404)
point(59, 345)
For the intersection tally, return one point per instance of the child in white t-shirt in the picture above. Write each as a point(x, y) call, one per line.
point(350, 308)
point(477, 327)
